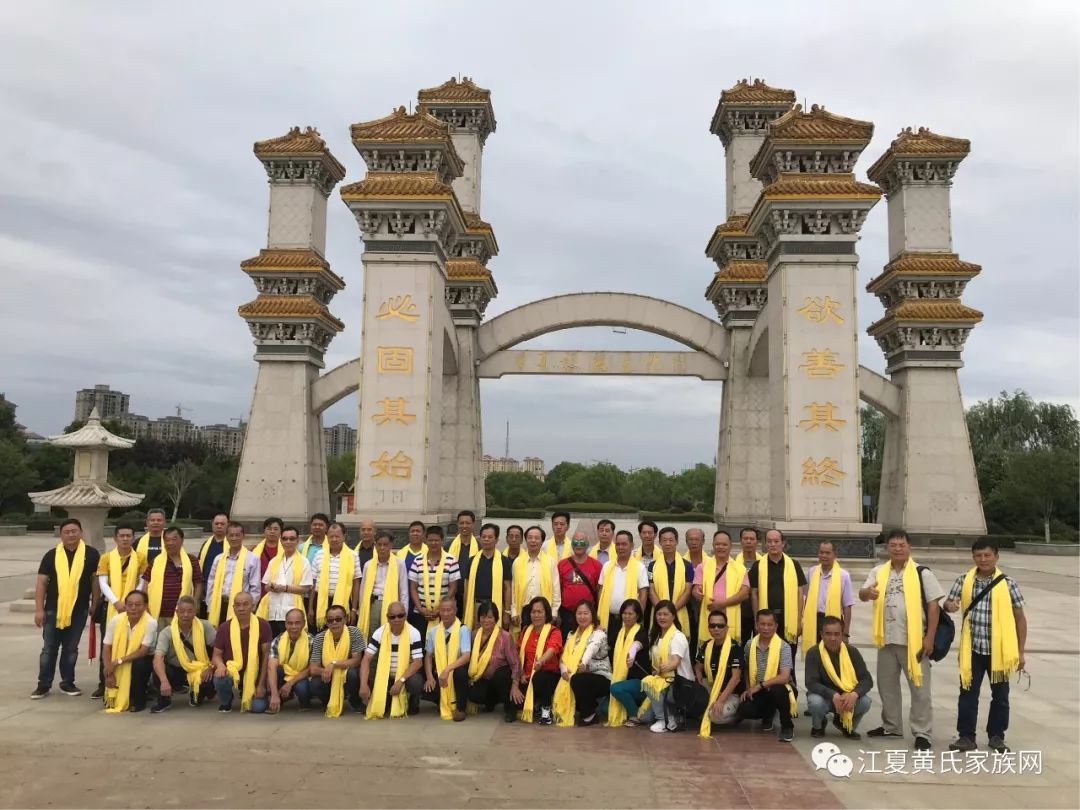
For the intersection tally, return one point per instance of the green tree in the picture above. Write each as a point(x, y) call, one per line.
point(694, 489)
point(513, 490)
point(558, 476)
point(17, 476)
point(340, 470)
point(648, 489)
point(1040, 483)
point(872, 450)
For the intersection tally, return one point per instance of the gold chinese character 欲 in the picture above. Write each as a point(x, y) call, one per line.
point(398, 306)
point(541, 362)
point(397, 466)
point(599, 362)
point(821, 363)
point(568, 362)
point(819, 310)
point(395, 359)
point(824, 473)
point(393, 410)
point(821, 415)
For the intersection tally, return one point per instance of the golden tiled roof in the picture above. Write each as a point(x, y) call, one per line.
point(289, 306)
point(402, 126)
point(819, 125)
point(283, 260)
point(397, 185)
point(295, 143)
point(474, 223)
point(735, 224)
point(931, 310)
point(455, 92)
point(757, 92)
point(797, 186)
point(743, 270)
point(924, 264)
point(912, 143)
point(467, 269)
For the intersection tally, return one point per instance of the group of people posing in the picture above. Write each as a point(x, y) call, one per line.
point(555, 630)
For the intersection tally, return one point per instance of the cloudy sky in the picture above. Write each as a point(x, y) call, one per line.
point(130, 195)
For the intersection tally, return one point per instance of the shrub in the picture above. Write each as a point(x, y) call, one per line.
point(523, 514)
point(613, 508)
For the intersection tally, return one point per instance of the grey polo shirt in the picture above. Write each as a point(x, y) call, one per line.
point(165, 645)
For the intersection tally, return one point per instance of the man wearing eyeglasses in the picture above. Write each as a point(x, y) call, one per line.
point(322, 670)
point(579, 578)
point(708, 667)
point(404, 639)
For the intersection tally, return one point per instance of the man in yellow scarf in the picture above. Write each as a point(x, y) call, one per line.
point(151, 542)
point(241, 647)
point(365, 549)
point(390, 679)
point(270, 546)
point(837, 682)
point(336, 574)
point(416, 547)
point(769, 663)
point(212, 548)
point(603, 551)
point(748, 554)
point(385, 580)
point(647, 534)
point(239, 572)
point(903, 629)
point(558, 545)
point(783, 580)
point(173, 574)
point(446, 663)
point(487, 577)
point(433, 576)
point(335, 658)
point(993, 634)
point(62, 596)
point(129, 643)
point(671, 578)
point(184, 663)
point(288, 666)
point(288, 580)
point(624, 577)
point(828, 593)
point(465, 538)
point(117, 576)
point(316, 539)
point(721, 582)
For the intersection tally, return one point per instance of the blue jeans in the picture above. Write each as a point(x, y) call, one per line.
point(820, 709)
point(62, 644)
point(300, 689)
point(629, 694)
point(967, 707)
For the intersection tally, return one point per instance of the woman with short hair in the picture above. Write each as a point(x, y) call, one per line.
point(494, 668)
point(540, 646)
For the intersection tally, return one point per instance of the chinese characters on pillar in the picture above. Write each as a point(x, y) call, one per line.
point(394, 409)
point(821, 417)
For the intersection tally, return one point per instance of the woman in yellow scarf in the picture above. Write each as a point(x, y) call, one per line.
point(129, 643)
point(671, 658)
point(494, 666)
point(630, 663)
point(719, 669)
point(540, 648)
point(584, 669)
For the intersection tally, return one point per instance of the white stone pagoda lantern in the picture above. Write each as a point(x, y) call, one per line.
point(90, 496)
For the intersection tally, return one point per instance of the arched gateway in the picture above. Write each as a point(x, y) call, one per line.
point(784, 343)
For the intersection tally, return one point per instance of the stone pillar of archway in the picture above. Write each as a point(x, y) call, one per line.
point(928, 481)
point(283, 465)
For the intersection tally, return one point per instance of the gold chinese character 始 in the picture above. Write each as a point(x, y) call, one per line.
point(824, 473)
point(821, 415)
point(398, 306)
point(393, 410)
point(398, 466)
point(599, 362)
point(568, 362)
point(820, 364)
point(541, 362)
point(818, 310)
point(395, 359)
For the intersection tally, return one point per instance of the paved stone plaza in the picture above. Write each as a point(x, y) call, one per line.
point(149, 760)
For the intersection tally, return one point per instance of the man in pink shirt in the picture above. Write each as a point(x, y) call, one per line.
point(718, 597)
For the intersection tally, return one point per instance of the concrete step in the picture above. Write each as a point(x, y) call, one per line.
point(28, 593)
point(22, 606)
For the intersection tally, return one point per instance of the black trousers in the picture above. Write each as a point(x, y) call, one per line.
point(544, 683)
point(461, 689)
point(567, 621)
point(496, 689)
point(589, 689)
point(277, 628)
point(614, 625)
point(765, 704)
point(178, 678)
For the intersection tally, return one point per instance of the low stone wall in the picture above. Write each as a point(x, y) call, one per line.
point(12, 531)
point(1049, 549)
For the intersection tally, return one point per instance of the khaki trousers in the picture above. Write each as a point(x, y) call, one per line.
point(891, 661)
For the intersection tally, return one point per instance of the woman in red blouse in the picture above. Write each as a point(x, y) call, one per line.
point(540, 667)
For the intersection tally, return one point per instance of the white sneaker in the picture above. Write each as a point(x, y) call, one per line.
point(658, 727)
point(672, 725)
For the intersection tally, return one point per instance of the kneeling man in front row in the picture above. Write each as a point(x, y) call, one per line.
point(288, 666)
point(182, 656)
point(837, 682)
point(241, 647)
point(390, 679)
point(335, 656)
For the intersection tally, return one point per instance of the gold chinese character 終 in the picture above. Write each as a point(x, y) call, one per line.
point(393, 410)
point(819, 310)
point(824, 473)
point(399, 466)
point(395, 359)
point(821, 364)
point(398, 306)
point(821, 415)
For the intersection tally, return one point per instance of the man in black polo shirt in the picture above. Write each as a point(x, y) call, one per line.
point(776, 600)
point(477, 573)
point(62, 619)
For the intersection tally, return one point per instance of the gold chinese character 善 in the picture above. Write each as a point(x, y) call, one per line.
point(568, 362)
point(599, 362)
point(398, 306)
point(821, 415)
point(821, 363)
point(819, 310)
point(393, 410)
point(397, 466)
point(395, 359)
point(824, 473)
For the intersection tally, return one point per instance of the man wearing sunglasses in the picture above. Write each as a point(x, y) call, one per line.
point(708, 667)
point(579, 578)
point(322, 670)
point(404, 639)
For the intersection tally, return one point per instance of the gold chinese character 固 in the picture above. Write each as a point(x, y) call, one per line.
point(599, 362)
point(821, 415)
point(395, 359)
point(568, 362)
point(398, 466)
point(818, 310)
point(398, 306)
point(393, 410)
point(819, 364)
point(824, 473)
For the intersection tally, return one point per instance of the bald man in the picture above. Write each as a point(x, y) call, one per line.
point(226, 688)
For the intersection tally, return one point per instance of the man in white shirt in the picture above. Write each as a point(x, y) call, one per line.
point(290, 583)
point(615, 572)
point(336, 549)
point(377, 568)
point(139, 660)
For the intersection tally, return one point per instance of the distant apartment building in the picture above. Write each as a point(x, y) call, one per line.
point(226, 440)
point(110, 404)
point(531, 464)
point(339, 440)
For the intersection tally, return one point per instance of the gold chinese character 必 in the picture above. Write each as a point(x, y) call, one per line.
point(824, 473)
point(820, 364)
point(398, 306)
point(393, 410)
point(599, 362)
point(818, 310)
point(568, 362)
point(398, 466)
point(821, 415)
point(394, 359)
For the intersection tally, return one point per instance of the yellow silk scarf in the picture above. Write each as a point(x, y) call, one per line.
point(527, 706)
point(619, 672)
point(772, 667)
point(206, 550)
point(665, 590)
point(403, 553)
point(790, 630)
point(550, 548)
point(296, 657)
point(433, 587)
point(336, 651)
point(263, 611)
point(594, 552)
point(654, 685)
point(126, 640)
point(367, 590)
point(630, 589)
point(244, 661)
point(142, 545)
point(715, 679)
point(193, 667)
point(399, 703)
point(639, 553)
point(121, 581)
point(455, 547)
point(482, 649)
point(217, 588)
point(342, 588)
point(563, 705)
point(832, 603)
point(261, 546)
point(156, 586)
point(67, 582)
point(521, 579)
point(912, 611)
point(1004, 645)
point(324, 545)
point(496, 587)
point(845, 681)
point(445, 653)
point(733, 577)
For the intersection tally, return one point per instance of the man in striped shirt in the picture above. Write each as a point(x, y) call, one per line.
point(322, 671)
point(424, 591)
point(404, 639)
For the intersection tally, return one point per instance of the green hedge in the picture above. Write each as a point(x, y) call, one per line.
point(678, 517)
point(612, 508)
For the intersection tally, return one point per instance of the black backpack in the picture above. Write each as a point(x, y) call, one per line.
point(946, 630)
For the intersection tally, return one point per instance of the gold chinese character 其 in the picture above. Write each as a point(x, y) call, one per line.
point(819, 364)
point(652, 362)
point(818, 310)
point(821, 415)
point(824, 473)
point(568, 362)
point(679, 363)
point(395, 359)
point(599, 362)
point(398, 306)
point(541, 362)
point(393, 410)
point(398, 466)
